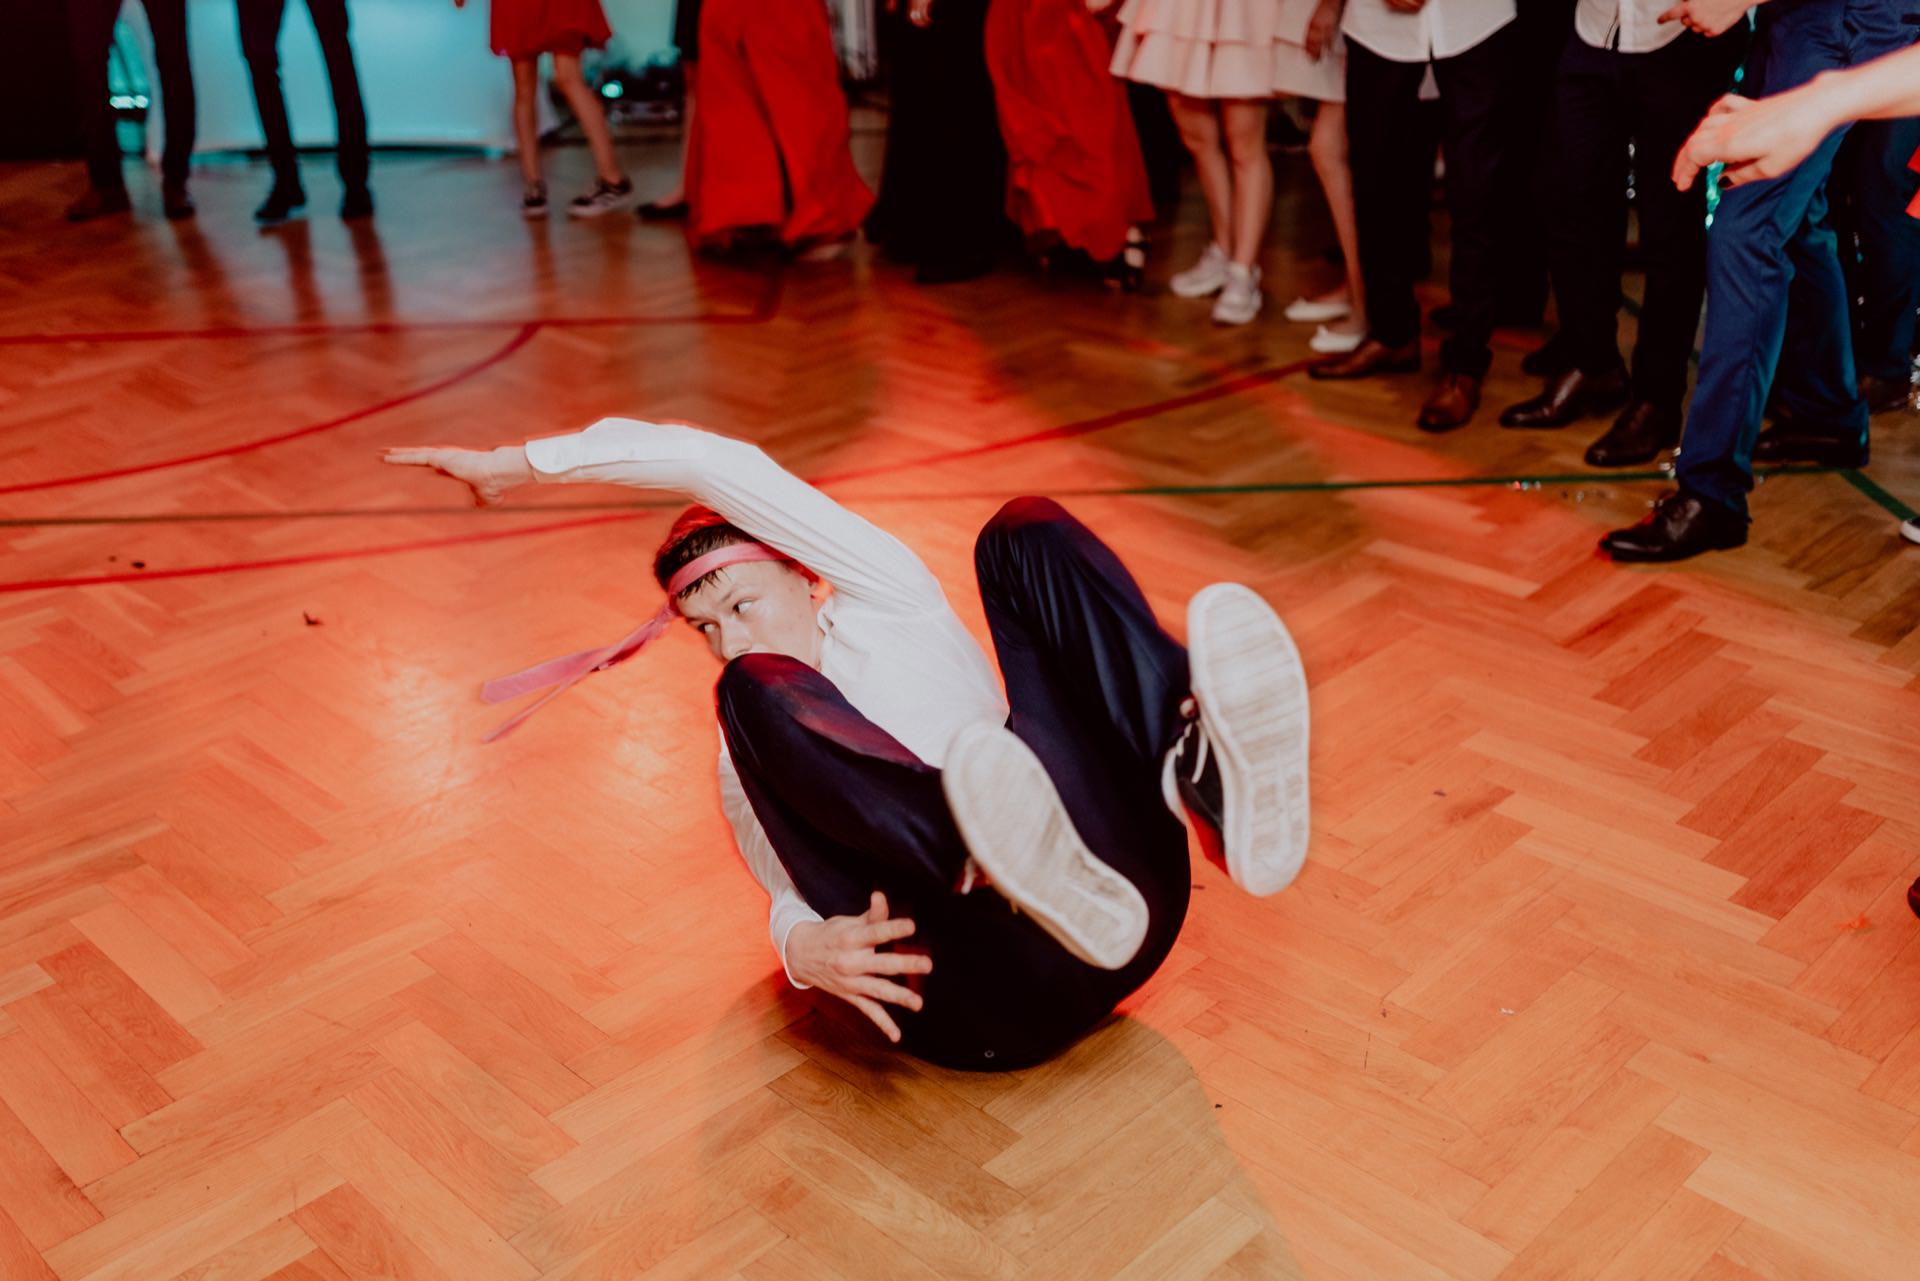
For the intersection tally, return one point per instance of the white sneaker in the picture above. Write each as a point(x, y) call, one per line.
point(1333, 342)
point(1019, 833)
point(1240, 297)
point(1305, 311)
point(1910, 530)
point(1205, 277)
point(1242, 765)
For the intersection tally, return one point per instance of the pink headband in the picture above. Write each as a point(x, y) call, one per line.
point(558, 675)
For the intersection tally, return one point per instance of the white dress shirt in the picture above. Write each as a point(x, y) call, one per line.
point(1630, 26)
point(1441, 28)
point(889, 641)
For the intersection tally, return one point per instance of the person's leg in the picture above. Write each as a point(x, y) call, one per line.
point(1883, 186)
point(1474, 94)
point(1390, 185)
point(1815, 386)
point(1243, 128)
point(848, 810)
point(845, 805)
point(1749, 272)
point(591, 115)
point(1667, 93)
point(1327, 147)
point(167, 19)
point(1197, 120)
point(330, 22)
point(526, 119)
point(1585, 173)
point(260, 43)
point(89, 36)
point(1095, 686)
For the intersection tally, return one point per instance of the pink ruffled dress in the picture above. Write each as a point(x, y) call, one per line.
point(1227, 49)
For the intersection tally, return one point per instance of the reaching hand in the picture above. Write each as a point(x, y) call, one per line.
point(1753, 138)
point(840, 955)
point(1323, 28)
point(1708, 17)
point(489, 473)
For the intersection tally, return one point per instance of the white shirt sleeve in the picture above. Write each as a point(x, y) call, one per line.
point(754, 493)
point(788, 908)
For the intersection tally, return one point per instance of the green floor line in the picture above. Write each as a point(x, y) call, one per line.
point(1863, 483)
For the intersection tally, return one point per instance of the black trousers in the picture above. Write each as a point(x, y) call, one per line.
point(1392, 176)
point(1094, 685)
point(90, 32)
point(943, 181)
point(1872, 185)
point(260, 41)
point(1605, 100)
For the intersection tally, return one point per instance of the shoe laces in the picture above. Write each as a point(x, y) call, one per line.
point(1170, 768)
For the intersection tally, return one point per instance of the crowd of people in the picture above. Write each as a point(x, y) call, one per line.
point(1020, 122)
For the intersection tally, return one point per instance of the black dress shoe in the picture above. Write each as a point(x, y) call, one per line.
point(1637, 436)
point(1798, 441)
point(280, 204)
point(357, 203)
point(1680, 525)
point(175, 202)
point(1568, 396)
point(99, 202)
point(662, 211)
point(1554, 356)
point(1369, 359)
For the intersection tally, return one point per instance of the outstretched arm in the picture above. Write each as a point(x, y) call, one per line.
point(733, 477)
point(1759, 138)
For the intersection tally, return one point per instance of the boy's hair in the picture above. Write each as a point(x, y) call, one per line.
point(695, 532)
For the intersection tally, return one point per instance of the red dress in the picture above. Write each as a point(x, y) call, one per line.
point(769, 146)
point(1073, 158)
point(529, 28)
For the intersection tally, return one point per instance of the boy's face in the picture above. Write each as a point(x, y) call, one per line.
point(757, 607)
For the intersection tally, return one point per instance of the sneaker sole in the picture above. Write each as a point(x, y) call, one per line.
point(600, 211)
point(1018, 831)
point(1252, 693)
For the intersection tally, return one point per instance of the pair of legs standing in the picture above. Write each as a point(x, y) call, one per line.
point(611, 187)
point(260, 22)
point(90, 36)
point(1095, 687)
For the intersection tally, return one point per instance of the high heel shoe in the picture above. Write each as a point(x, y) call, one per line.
point(1128, 271)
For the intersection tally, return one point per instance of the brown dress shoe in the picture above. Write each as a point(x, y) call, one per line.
point(1366, 360)
point(1452, 403)
point(97, 202)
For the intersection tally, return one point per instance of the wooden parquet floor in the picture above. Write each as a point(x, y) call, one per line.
point(1600, 967)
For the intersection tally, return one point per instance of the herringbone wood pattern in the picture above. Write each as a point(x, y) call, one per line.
point(1600, 967)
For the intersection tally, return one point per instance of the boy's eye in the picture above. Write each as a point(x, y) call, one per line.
point(740, 607)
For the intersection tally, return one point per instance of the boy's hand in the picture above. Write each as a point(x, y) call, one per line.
point(840, 955)
point(489, 473)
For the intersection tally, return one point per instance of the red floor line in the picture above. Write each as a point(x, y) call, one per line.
point(512, 345)
point(310, 558)
point(1065, 431)
point(763, 310)
point(1062, 431)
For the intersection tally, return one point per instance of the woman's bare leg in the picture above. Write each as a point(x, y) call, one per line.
point(1199, 126)
point(1327, 145)
point(1243, 127)
point(526, 120)
point(592, 118)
